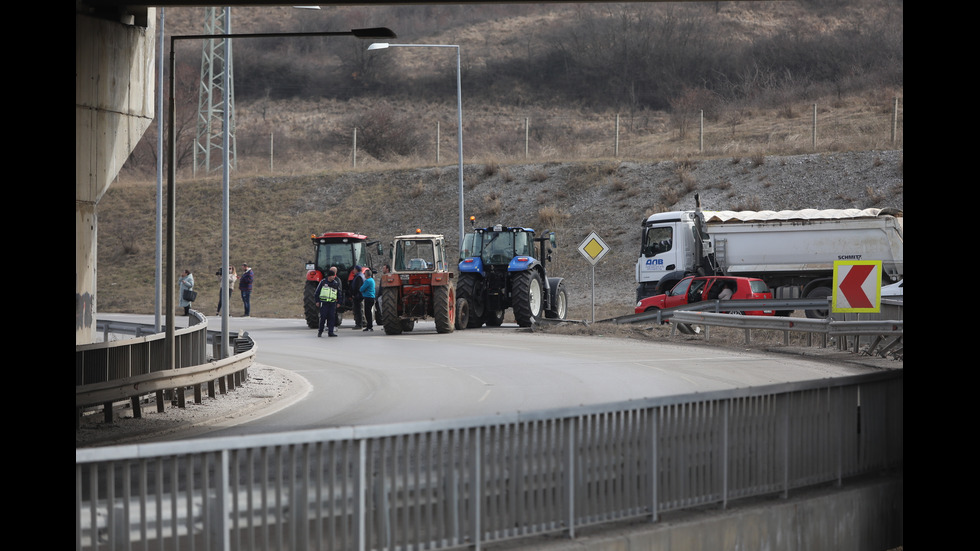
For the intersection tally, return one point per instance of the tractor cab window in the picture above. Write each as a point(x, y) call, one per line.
point(523, 245)
point(334, 254)
point(468, 249)
point(498, 247)
point(657, 240)
point(414, 255)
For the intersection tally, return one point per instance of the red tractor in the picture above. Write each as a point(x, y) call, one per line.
point(418, 286)
point(342, 250)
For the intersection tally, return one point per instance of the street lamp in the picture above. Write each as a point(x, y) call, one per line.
point(459, 114)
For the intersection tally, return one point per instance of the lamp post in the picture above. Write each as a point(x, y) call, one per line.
point(459, 114)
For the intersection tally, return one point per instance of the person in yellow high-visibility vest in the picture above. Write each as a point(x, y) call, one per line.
point(327, 295)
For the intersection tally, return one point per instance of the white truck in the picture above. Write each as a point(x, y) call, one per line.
point(792, 251)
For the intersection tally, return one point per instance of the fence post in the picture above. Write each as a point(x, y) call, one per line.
point(354, 154)
point(895, 121)
point(813, 132)
point(437, 142)
point(701, 131)
point(616, 154)
point(526, 132)
point(570, 430)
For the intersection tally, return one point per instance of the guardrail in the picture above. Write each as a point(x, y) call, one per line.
point(114, 371)
point(886, 336)
point(451, 484)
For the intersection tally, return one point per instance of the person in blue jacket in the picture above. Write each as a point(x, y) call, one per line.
point(367, 292)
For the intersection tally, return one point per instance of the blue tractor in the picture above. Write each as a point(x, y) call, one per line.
point(499, 269)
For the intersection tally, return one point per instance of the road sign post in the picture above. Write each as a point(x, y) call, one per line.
point(857, 286)
point(593, 249)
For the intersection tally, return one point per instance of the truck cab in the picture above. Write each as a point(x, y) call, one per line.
point(670, 247)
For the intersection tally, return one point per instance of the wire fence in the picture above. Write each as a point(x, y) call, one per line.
point(545, 137)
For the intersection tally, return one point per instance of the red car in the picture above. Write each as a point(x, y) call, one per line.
point(694, 289)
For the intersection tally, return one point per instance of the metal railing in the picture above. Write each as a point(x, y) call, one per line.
point(884, 331)
point(464, 483)
point(125, 370)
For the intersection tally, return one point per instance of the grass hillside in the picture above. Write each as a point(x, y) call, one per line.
point(272, 218)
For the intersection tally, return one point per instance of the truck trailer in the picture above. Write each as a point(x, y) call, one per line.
point(793, 251)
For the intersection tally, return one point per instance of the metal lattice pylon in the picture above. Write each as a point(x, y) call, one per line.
point(211, 107)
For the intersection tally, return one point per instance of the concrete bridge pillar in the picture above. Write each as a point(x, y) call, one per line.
point(115, 67)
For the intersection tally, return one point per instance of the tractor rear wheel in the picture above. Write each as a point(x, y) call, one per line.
point(527, 298)
point(389, 311)
point(310, 310)
point(444, 308)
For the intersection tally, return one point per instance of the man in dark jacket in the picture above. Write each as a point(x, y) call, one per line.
point(327, 294)
point(245, 286)
point(356, 279)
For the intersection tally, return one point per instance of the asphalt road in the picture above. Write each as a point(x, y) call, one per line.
point(371, 378)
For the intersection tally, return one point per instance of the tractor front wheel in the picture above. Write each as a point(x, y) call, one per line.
point(462, 313)
point(527, 298)
point(560, 303)
point(466, 290)
point(444, 308)
point(389, 311)
point(310, 310)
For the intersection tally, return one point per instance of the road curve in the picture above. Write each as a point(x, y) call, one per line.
point(372, 378)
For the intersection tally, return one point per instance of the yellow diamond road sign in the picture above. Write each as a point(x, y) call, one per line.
point(593, 248)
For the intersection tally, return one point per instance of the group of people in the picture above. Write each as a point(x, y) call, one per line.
point(245, 282)
point(362, 289)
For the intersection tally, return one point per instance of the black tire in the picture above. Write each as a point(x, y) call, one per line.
point(527, 298)
point(444, 308)
point(310, 310)
point(494, 318)
point(407, 325)
point(389, 311)
point(560, 303)
point(462, 313)
point(466, 290)
point(818, 292)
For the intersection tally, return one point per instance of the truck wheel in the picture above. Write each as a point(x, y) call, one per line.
point(444, 308)
point(408, 325)
point(818, 292)
point(310, 310)
point(527, 298)
point(466, 290)
point(495, 318)
point(389, 311)
point(462, 313)
point(560, 303)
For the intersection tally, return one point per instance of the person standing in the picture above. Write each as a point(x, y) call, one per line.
point(367, 292)
point(327, 294)
point(245, 286)
point(232, 278)
point(355, 280)
point(186, 290)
